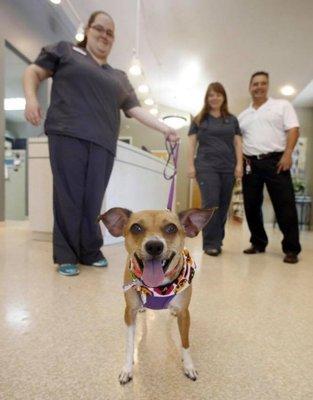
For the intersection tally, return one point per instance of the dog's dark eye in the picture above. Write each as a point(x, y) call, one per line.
point(170, 228)
point(136, 228)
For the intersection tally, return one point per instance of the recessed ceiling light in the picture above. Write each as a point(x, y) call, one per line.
point(143, 89)
point(175, 121)
point(55, 1)
point(149, 102)
point(288, 90)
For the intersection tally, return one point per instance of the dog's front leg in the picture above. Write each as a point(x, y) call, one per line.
point(183, 319)
point(130, 319)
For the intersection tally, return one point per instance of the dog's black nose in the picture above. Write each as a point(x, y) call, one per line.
point(154, 247)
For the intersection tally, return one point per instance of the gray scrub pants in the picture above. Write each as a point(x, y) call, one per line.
point(81, 172)
point(216, 191)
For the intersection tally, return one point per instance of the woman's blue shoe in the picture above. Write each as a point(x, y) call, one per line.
point(100, 263)
point(68, 269)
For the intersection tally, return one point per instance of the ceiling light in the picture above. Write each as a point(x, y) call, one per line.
point(80, 35)
point(175, 121)
point(189, 73)
point(55, 1)
point(149, 102)
point(143, 89)
point(14, 104)
point(154, 111)
point(135, 68)
point(288, 90)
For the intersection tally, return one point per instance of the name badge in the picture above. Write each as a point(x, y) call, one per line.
point(79, 50)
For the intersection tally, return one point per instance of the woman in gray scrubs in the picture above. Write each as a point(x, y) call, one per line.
point(219, 158)
point(82, 125)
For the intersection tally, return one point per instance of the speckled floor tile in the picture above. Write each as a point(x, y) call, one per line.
point(62, 338)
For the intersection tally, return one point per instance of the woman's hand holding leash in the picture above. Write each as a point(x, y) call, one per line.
point(171, 135)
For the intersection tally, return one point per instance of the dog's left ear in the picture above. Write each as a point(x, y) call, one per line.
point(115, 220)
point(194, 219)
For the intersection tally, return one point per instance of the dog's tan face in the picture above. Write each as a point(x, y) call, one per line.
point(155, 239)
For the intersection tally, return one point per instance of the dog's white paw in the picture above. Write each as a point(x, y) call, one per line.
point(126, 375)
point(189, 368)
point(190, 372)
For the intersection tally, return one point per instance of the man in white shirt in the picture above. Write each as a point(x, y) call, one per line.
point(270, 130)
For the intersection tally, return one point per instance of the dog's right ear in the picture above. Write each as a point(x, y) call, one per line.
point(115, 220)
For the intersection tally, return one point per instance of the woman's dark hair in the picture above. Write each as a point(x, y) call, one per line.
point(91, 19)
point(218, 88)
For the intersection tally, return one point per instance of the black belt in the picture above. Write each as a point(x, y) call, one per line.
point(264, 156)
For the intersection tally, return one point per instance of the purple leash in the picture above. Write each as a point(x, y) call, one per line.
point(172, 151)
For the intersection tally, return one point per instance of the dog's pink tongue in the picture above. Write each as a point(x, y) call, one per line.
point(153, 274)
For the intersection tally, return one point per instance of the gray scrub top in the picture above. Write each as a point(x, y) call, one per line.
point(216, 149)
point(86, 97)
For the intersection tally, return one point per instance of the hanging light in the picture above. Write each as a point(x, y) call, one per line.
point(149, 102)
point(135, 68)
point(175, 121)
point(80, 35)
point(143, 88)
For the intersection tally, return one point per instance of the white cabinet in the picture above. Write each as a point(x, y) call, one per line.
point(136, 183)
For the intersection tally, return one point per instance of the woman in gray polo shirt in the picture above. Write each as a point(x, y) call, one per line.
point(219, 158)
point(82, 125)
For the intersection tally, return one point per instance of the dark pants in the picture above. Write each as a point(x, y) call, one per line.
point(216, 191)
point(81, 171)
point(281, 192)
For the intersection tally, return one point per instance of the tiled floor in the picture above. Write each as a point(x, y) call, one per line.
point(62, 338)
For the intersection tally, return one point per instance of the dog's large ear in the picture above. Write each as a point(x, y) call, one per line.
point(115, 220)
point(194, 219)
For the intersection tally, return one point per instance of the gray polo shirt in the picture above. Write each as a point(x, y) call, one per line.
point(86, 97)
point(216, 149)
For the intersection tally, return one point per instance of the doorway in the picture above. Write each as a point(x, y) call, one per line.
point(17, 131)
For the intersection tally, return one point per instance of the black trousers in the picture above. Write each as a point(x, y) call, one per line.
point(216, 191)
point(81, 172)
point(281, 192)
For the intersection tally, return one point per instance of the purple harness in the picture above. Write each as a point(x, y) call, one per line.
point(158, 303)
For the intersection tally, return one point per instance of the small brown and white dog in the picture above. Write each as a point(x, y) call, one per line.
point(158, 270)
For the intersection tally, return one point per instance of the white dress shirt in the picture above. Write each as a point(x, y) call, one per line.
point(264, 130)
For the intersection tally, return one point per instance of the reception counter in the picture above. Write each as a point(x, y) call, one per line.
point(136, 183)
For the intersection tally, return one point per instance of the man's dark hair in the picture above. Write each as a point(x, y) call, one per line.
point(259, 73)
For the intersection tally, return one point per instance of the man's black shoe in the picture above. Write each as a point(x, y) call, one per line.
point(213, 252)
point(253, 250)
point(291, 258)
